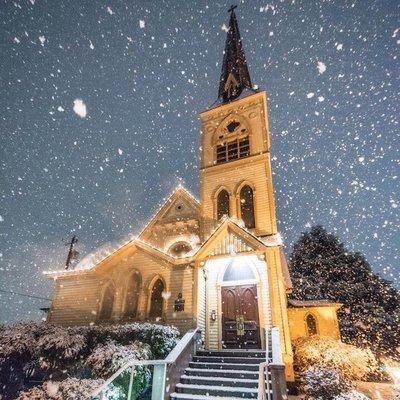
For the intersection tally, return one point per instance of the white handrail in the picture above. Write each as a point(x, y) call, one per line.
point(276, 346)
point(262, 389)
point(170, 359)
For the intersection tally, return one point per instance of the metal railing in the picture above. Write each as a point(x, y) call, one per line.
point(159, 375)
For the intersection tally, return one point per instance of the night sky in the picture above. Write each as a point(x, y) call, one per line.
point(144, 70)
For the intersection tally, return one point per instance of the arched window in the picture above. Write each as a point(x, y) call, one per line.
point(247, 206)
point(311, 325)
point(179, 249)
point(107, 303)
point(222, 204)
point(238, 269)
point(132, 295)
point(157, 301)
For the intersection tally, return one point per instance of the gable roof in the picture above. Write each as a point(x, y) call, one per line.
point(228, 225)
point(180, 193)
point(132, 245)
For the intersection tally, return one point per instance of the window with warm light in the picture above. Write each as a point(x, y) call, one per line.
point(247, 207)
point(233, 142)
point(222, 204)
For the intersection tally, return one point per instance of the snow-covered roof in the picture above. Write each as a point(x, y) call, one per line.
point(173, 260)
point(313, 303)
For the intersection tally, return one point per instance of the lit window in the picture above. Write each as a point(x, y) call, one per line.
point(238, 148)
point(247, 207)
point(132, 295)
point(157, 301)
point(239, 269)
point(311, 325)
point(107, 303)
point(222, 204)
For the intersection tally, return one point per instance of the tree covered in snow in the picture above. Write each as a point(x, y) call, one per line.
point(43, 352)
point(322, 268)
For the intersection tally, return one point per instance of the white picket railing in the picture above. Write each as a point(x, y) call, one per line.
point(159, 370)
point(273, 346)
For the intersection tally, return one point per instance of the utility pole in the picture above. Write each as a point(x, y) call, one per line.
point(72, 253)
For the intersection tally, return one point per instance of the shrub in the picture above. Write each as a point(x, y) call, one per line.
point(352, 395)
point(324, 383)
point(108, 358)
point(353, 362)
point(60, 347)
point(40, 351)
point(68, 389)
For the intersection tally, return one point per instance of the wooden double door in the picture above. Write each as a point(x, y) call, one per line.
point(240, 318)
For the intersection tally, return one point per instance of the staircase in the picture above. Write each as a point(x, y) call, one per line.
point(221, 375)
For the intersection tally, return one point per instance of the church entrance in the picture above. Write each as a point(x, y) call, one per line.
point(240, 318)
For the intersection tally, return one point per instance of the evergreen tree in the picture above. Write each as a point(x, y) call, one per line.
point(322, 268)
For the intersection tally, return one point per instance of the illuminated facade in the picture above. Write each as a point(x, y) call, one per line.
point(217, 263)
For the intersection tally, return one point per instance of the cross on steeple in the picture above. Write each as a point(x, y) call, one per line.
point(235, 76)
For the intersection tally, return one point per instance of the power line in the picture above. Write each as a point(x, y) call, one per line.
point(24, 295)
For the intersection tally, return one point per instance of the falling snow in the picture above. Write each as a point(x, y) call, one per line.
point(80, 108)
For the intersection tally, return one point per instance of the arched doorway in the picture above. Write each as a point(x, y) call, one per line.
point(156, 300)
point(239, 306)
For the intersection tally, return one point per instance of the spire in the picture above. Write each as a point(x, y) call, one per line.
point(235, 75)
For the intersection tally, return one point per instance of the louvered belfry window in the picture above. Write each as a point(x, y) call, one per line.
point(233, 141)
point(229, 151)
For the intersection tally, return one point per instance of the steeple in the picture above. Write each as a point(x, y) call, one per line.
point(235, 75)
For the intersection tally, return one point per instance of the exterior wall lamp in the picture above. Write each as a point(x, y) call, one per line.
point(213, 315)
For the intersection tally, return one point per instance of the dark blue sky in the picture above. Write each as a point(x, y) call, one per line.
point(145, 69)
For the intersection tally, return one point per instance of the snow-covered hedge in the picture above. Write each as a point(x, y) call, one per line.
point(324, 383)
point(42, 352)
point(353, 362)
point(68, 389)
point(109, 357)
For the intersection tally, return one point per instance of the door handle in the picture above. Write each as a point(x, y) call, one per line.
point(240, 325)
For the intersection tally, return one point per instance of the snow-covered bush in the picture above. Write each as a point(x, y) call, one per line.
point(60, 347)
point(353, 362)
point(161, 338)
point(352, 395)
point(324, 383)
point(40, 352)
point(68, 389)
point(108, 358)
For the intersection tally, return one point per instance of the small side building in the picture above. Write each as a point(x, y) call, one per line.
point(313, 317)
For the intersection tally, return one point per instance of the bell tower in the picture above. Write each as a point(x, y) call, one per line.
point(236, 177)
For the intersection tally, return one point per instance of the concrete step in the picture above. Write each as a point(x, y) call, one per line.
point(224, 366)
point(184, 396)
point(210, 390)
point(232, 353)
point(219, 359)
point(219, 381)
point(223, 373)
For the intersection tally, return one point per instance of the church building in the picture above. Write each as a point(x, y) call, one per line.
point(217, 262)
